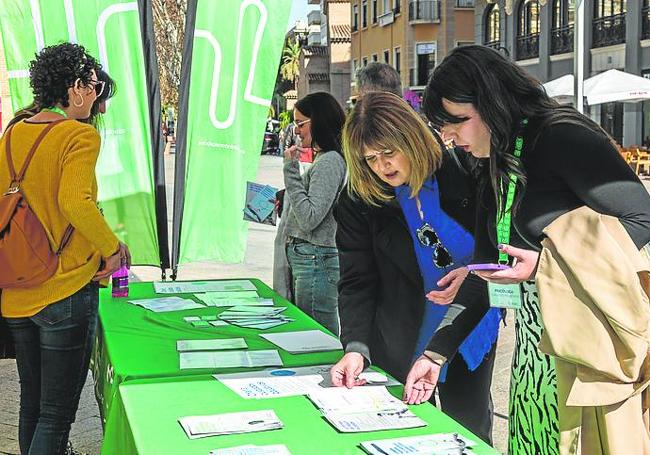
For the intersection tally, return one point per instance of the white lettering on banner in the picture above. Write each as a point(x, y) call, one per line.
point(216, 73)
point(115, 132)
point(220, 146)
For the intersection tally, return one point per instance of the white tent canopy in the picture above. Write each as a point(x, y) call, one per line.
point(561, 88)
point(615, 85)
point(606, 87)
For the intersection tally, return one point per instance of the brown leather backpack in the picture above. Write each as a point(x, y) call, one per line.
point(26, 258)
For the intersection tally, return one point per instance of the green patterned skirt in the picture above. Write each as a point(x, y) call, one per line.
point(533, 417)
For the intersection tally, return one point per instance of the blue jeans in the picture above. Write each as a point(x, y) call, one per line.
point(315, 275)
point(52, 354)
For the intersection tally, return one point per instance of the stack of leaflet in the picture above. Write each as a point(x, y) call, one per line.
point(192, 287)
point(364, 409)
point(255, 317)
point(430, 444)
point(231, 423)
point(223, 299)
point(164, 304)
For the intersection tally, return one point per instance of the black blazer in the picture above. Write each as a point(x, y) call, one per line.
point(381, 293)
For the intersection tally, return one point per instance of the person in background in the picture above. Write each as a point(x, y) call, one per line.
point(404, 237)
point(108, 91)
point(544, 161)
point(378, 77)
point(310, 227)
point(53, 324)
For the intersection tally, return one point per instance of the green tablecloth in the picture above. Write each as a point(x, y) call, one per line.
point(141, 391)
point(149, 410)
point(136, 343)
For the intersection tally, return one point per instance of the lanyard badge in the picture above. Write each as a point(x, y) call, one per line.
point(507, 295)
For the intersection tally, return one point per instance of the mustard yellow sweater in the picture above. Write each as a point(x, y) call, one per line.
point(61, 188)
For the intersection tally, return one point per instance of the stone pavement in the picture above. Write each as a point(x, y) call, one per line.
point(86, 434)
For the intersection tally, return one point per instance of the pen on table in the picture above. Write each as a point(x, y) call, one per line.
point(379, 449)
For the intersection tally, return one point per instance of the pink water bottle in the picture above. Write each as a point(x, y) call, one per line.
point(121, 282)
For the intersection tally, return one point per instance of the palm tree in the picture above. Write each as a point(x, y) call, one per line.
point(290, 69)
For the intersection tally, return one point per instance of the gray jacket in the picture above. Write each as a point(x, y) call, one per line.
point(312, 197)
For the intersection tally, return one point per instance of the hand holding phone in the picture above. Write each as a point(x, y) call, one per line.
point(487, 267)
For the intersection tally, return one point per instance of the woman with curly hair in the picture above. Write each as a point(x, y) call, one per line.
point(53, 323)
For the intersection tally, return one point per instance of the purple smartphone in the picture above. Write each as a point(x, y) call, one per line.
point(487, 267)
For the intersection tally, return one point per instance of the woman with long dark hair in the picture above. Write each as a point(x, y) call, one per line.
point(309, 225)
point(544, 161)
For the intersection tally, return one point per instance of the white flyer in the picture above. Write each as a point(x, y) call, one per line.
point(184, 287)
point(211, 345)
point(430, 444)
point(230, 423)
point(357, 399)
point(282, 382)
point(272, 387)
point(370, 408)
point(304, 341)
point(229, 359)
point(165, 304)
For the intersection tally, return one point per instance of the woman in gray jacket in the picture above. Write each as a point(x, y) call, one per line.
point(310, 227)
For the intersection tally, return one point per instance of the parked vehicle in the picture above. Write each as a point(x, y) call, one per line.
point(271, 145)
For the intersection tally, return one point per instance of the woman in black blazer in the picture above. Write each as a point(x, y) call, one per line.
point(394, 161)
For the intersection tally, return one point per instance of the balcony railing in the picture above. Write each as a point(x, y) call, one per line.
point(424, 11)
point(528, 46)
point(464, 3)
point(645, 15)
point(493, 44)
point(562, 40)
point(609, 30)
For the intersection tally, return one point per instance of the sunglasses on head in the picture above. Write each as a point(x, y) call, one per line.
point(428, 237)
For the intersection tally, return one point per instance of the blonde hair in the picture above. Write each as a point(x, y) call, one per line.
point(384, 121)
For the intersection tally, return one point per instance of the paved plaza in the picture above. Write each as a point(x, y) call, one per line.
point(86, 434)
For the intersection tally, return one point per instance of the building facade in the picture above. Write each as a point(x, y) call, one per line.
point(411, 35)
point(538, 35)
point(335, 35)
point(314, 70)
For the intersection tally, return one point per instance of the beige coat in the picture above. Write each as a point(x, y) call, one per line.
point(596, 316)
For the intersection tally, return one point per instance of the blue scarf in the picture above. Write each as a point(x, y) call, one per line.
point(460, 245)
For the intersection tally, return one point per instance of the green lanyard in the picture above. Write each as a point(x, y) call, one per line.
point(504, 218)
point(55, 110)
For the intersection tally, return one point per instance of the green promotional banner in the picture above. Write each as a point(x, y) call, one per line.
point(110, 30)
point(234, 48)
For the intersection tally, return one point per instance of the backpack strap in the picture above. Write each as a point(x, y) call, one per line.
point(16, 179)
